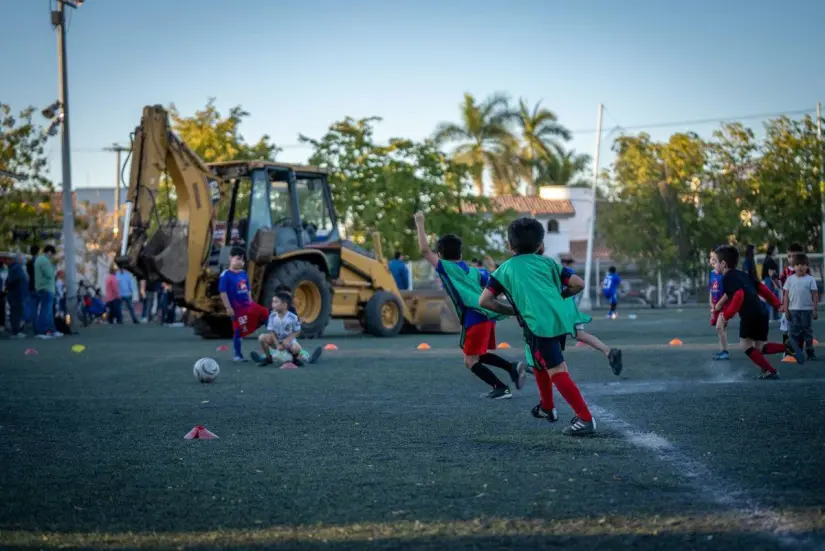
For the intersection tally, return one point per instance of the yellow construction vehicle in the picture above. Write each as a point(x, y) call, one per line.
point(282, 216)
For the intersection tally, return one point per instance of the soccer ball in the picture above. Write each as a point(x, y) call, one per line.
point(206, 370)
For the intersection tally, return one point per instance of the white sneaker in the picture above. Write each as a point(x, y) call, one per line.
point(44, 337)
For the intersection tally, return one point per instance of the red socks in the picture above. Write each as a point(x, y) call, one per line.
point(773, 348)
point(570, 392)
point(760, 360)
point(545, 388)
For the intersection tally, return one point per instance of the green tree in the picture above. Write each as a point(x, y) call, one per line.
point(26, 200)
point(379, 187)
point(540, 135)
point(564, 168)
point(656, 210)
point(483, 137)
point(789, 198)
point(214, 138)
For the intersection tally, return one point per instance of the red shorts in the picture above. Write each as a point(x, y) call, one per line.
point(249, 318)
point(480, 338)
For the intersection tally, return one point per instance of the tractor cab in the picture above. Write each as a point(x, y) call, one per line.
point(288, 206)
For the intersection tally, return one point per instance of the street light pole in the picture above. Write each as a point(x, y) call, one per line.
point(59, 21)
point(585, 303)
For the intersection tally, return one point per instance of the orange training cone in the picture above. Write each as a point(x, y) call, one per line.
point(789, 360)
point(675, 342)
point(580, 343)
point(423, 346)
point(222, 348)
point(30, 352)
point(816, 342)
point(200, 433)
point(503, 345)
point(330, 347)
point(289, 365)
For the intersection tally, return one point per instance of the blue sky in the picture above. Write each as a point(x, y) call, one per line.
point(297, 66)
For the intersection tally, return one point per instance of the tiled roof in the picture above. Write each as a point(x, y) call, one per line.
point(578, 250)
point(528, 205)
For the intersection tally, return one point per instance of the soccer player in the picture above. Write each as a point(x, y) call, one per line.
point(801, 302)
point(613, 355)
point(717, 296)
point(743, 294)
point(247, 316)
point(283, 328)
point(534, 286)
point(464, 285)
point(610, 290)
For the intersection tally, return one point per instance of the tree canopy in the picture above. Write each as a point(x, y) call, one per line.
point(673, 201)
point(26, 200)
point(378, 187)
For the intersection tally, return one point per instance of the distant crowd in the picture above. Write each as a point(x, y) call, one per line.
point(33, 298)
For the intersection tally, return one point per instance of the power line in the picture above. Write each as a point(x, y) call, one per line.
point(661, 124)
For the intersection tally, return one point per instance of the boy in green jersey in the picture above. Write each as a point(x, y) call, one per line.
point(463, 285)
point(535, 287)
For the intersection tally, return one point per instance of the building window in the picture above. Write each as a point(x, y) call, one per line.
point(552, 226)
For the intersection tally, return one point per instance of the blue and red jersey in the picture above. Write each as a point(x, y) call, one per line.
point(236, 287)
point(715, 284)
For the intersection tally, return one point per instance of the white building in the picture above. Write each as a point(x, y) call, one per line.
point(565, 214)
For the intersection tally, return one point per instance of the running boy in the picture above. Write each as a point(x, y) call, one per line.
point(534, 284)
point(464, 285)
point(283, 328)
point(801, 302)
point(610, 290)
point(247, 316)
point(613, 355)
point(743, 297)
point(717, 296)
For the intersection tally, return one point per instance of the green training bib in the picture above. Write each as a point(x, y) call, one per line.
point(532, 284)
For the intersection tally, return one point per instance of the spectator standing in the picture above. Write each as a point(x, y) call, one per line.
point(126, 288)
point(400, 272)
point(44, 285)
point(112, 297)
point(31, 299)
point(17, 294)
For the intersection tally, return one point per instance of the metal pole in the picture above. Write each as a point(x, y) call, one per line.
point(821, 178)
point(585, 303)
point(118, 149)
point(68, 205)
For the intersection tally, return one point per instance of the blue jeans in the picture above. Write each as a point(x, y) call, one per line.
point(127, 300)
point(44, 322)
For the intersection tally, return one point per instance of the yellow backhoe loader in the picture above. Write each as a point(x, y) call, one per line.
point(282, 216)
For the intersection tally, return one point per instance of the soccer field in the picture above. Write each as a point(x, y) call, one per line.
point(383, 446)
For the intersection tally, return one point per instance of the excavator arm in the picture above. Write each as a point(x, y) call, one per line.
point(175, 250)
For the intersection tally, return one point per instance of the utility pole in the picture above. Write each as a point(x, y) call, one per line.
point(585, 303)
point(118, 149)
point(59, 21)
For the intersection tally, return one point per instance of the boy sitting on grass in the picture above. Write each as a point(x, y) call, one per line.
point(282, 333)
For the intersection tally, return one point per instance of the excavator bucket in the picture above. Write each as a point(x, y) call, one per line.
point(431, 311)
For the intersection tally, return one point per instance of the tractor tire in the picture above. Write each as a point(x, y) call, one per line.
point(213, 327)
point(311, 294)
point(383, 315)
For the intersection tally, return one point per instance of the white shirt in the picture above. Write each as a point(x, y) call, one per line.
point(283, 326)
point(800, 291)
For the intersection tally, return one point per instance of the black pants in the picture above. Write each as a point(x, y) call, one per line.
point(801, 328)
point(2, 309)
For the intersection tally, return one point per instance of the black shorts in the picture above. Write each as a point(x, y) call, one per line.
point(547, 351)
point(754, 326)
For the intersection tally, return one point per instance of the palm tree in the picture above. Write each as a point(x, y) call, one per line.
point(540, 133)
point(563, 169)
point(483, 135)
